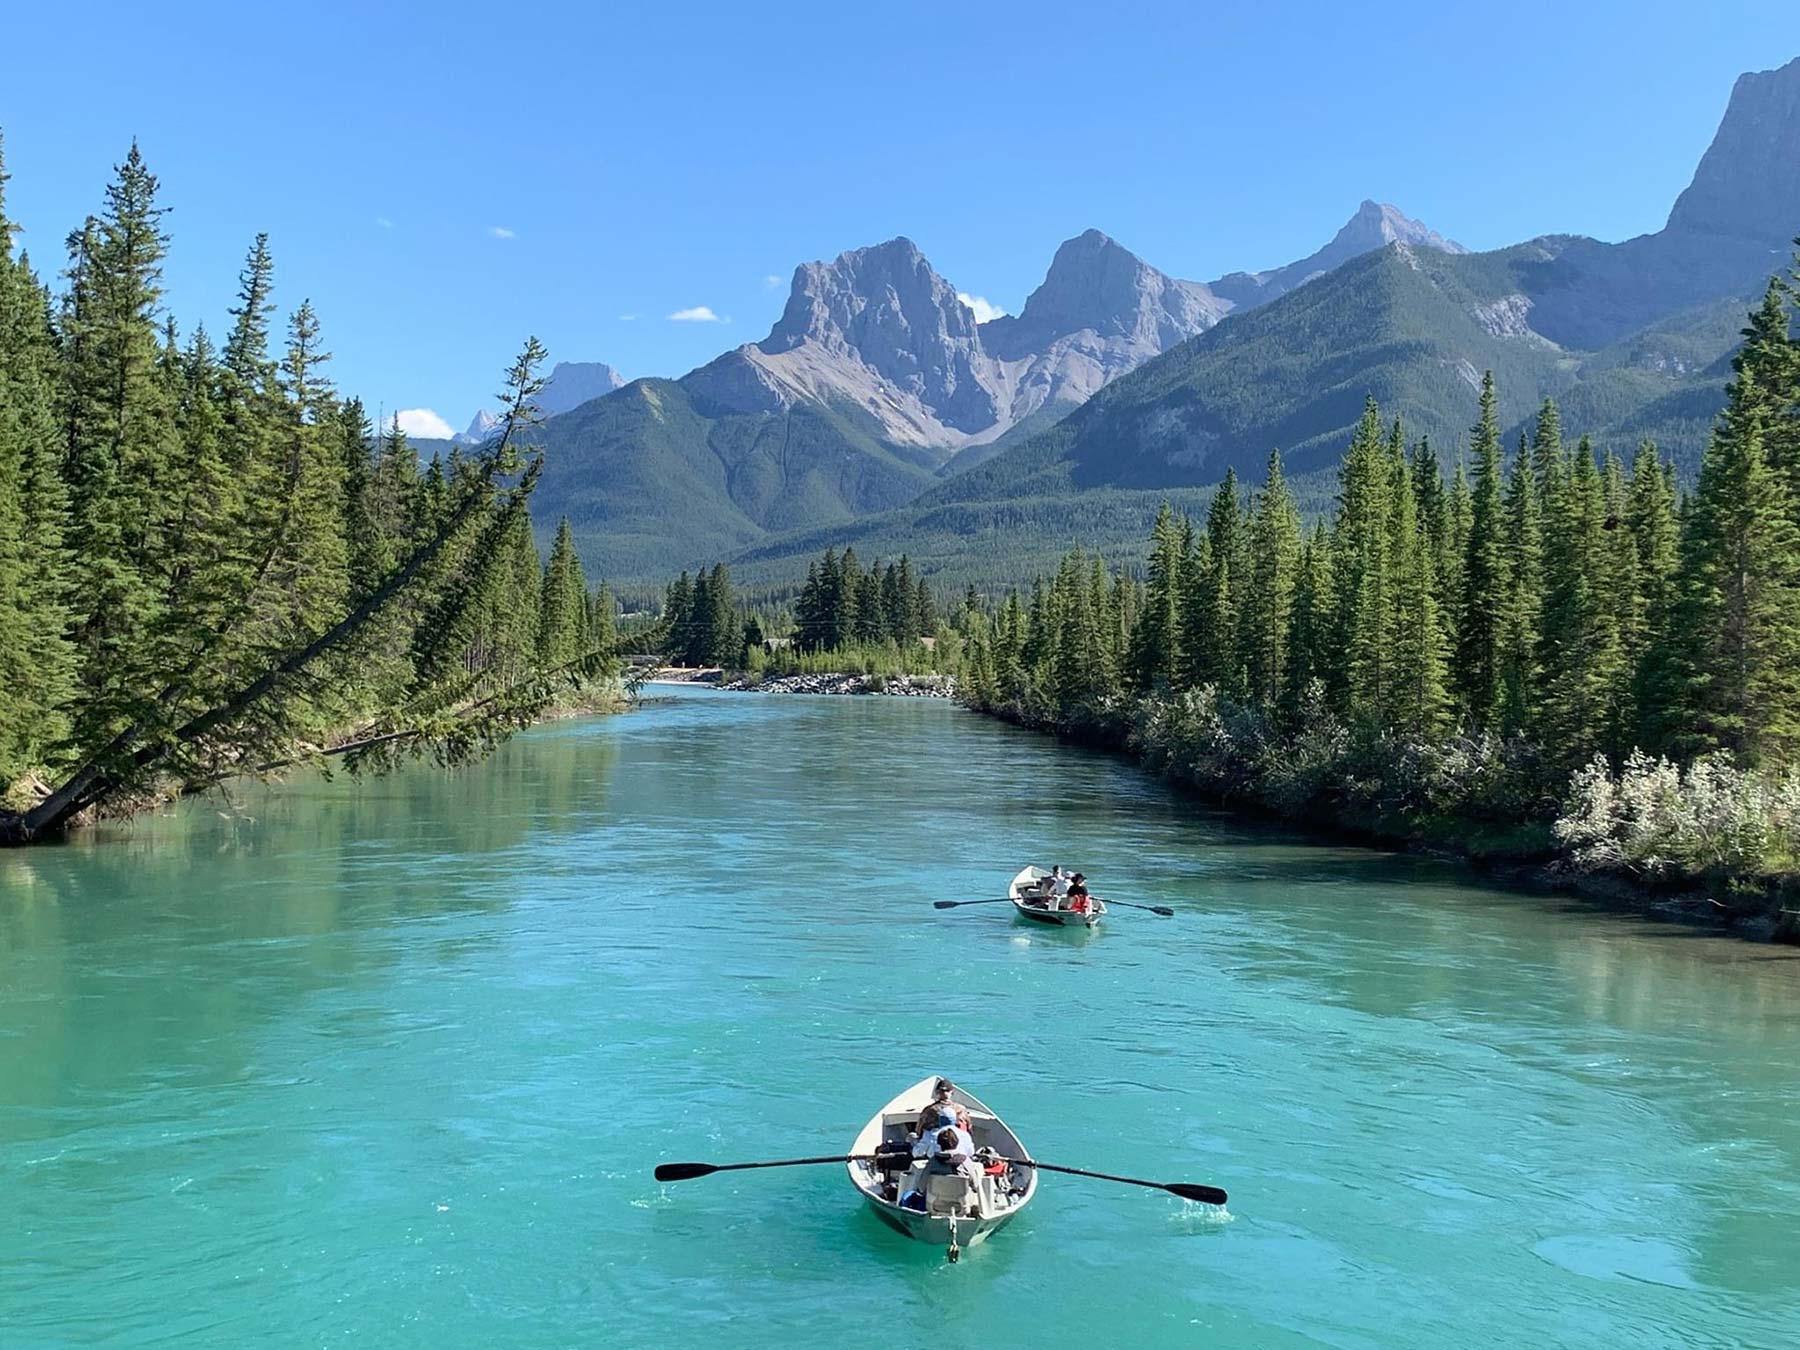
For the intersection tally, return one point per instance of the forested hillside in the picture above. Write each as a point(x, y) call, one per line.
point(1566, 631)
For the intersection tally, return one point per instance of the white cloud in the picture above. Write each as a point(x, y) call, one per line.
point(502, 232)
point(628, 318)
point(984, 309)
point(771, 282)
point(696, 314)
point(423, 422)
point(384, 222)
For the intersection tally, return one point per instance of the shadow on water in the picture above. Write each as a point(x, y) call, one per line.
point(222, 912)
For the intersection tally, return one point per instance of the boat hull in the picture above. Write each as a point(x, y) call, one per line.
point(930, 1228)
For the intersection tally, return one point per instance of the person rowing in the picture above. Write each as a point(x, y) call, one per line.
point(1053, 888)
point(943, 1112)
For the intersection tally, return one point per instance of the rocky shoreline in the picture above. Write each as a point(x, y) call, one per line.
point(840, 682)
point(901, 686)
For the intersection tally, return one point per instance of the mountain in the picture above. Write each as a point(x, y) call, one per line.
point(1100, 312)
point(876, 335)
point(875, 376)
point(571, 384)
point(1375, 225)
point(481, 426)
point(1617, 331)
point(891, 381)
point(1633, 339)
point(1746, 185)
point(653, 477)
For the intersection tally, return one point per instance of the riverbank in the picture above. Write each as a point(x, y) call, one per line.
point(1478, 802)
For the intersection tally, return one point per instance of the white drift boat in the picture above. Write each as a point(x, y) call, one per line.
point(950, 1211)
point(1030, 899)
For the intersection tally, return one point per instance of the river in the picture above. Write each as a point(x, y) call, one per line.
point(390, 1062)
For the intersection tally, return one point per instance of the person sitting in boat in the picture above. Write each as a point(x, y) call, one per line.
point(944, 1112)
point(1080, 902)
point(1054, 887)
point(952, 1157)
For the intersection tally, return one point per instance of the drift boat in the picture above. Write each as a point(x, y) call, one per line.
point(1028, 898)
point(950, 1211)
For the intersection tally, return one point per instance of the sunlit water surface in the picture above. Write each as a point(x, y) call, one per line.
point(389, 1063)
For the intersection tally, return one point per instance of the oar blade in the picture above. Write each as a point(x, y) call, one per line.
point(1206, 1195)
point(945, 904)
point(683, 1171)
point(1163, 910)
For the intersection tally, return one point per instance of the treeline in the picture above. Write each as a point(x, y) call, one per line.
point(1551, 610)
point(702, 623)
point(841, 605)
point(208, 565)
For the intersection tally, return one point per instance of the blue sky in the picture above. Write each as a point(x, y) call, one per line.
point(442, 180)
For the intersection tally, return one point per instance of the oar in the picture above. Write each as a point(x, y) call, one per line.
point(688, 1171)
point(1206, 1195)
point(952, 904)
point(1163, 910)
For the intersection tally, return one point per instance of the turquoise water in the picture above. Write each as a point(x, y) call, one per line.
point(389, 1064)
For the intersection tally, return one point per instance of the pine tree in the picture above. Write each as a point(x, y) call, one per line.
point(1360, 548)
point(871, 611)
point(1312, 634)
point(1519, 639)
point(1770, 356)
point(902, 617)
point(1625, 611)
point(120, 450)
point(1580, 652)
point(248, 364)
point(1418, 698)
point(1077, 671)
point(924, 610)
point(1741, 578)
point(1273, 557)
point(1156, 654)
point(842, 582)
point(1459, 510)
point(724, 635)
point(362, 544)
point(1198, 638)
point(1486, 577)
point(1432, 500)
point(311, 570)
point(678, 613)
point(37, 663)
point(1214, 570)
point(394, 498)
point(562, 610)
point(1656, 535)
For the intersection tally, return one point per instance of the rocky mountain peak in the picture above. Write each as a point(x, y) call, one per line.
point(1376, 225)
point(573, 383)
point(481, 426)
point(1096, 283)
point(1748, 182)
point(885, 308)
point(863, 292)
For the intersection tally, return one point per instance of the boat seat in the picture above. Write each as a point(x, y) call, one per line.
point(950, 1195)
